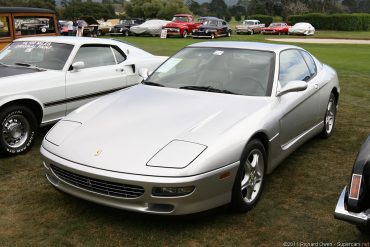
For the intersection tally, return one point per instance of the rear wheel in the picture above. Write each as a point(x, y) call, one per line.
point(249, 178)
point(18, 129)
point(212, 35)
point(330, 116)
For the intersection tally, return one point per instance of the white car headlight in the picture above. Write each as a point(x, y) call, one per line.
point(61, 131)
point(177, 154)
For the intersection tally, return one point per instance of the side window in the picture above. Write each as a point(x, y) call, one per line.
point(31, 25)
point(292, 67)
point(4, 27)
point(120, 56)
point(310, 63)
point(95, 56)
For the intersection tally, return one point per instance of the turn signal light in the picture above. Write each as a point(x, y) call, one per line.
point(355, 186)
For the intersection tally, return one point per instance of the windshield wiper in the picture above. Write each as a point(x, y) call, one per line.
point(31, 66)
point(152, 83)
point(208, 89)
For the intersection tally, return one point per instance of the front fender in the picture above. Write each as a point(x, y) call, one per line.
point(13, 98)
point(361, 167)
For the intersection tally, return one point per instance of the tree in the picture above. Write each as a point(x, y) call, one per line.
point(47, 4)
point(163, 9)
point(76, 9)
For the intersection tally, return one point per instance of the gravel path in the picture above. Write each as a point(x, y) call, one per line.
point(324, 41)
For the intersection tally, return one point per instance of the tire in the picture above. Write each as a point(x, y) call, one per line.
point(126, 33)
point(212, 35)
point(229, 34)
point(364, 229)
point(330, 117)
point(252, 32)
point(249, 179)
point(185, 34)
point(18, 130)
point(99, 33)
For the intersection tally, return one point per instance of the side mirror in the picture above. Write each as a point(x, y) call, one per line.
point(144, 73)
point(78, 65)
point(293, 86)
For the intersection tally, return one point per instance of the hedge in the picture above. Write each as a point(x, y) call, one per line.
point(342, 22)
point(265, 19)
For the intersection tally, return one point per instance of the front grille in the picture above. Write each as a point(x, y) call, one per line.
point(97, 185)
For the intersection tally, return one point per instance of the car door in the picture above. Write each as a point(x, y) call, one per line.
point(103, 72)
point(299, 110)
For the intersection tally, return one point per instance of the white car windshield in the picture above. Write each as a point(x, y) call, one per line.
point(220, 70)
point(44, 55)
point(248, 23)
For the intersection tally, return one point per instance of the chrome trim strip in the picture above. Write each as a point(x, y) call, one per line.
point(277, 134)
point(290, 143)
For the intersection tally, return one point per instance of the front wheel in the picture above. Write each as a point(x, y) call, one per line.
point(18, 129)
point(330, 116)
point(185, 34)
point(249, 178)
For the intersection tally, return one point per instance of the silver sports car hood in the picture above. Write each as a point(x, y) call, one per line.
point(122, 132)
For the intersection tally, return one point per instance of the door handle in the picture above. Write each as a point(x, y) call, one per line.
point(120, 70)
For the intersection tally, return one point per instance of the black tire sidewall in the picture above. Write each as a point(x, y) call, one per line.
point(237, 202)
point(27, 113)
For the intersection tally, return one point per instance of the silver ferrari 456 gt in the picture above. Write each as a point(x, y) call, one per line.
point(201, 131)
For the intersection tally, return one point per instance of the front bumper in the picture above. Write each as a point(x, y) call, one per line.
point(341, 213)
point(210, 190)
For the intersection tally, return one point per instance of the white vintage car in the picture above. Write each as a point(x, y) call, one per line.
point(44, 78)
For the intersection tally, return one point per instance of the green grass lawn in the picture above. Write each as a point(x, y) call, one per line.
point(297, 204)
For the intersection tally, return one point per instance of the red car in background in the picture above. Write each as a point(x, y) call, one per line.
point(276, 28)
point(181, 25)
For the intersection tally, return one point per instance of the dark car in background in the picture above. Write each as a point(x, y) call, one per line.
point(354, 201)
point(123, 27)
point(212, 28)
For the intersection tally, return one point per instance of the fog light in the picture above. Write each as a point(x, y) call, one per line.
point(172, 191)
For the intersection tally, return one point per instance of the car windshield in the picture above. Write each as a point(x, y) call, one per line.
point(275, 24)
point(45, 55)
point(210, 23)
point(249, 23)
point(126, 22)
point(180, 18)
point(220, 70)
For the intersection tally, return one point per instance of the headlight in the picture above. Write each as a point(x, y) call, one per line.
point(207, 31)
point(172, 191)
point(194, 30)
point(110, 29)
point(177, 154)
point(121, 30)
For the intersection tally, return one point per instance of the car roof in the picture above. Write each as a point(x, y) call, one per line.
point(72, 40)
point(24, 10)
point(244, 45)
